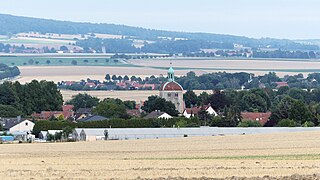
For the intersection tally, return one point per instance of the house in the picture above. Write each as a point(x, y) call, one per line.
point(194, 111)
point(67, 108)
point(45, 115)
point(90, 134)
point(82, 113)
point(134, 112)
point(93, 118)
point(158, 115)
point(281, 84)
point(86, 111)
point(262, 118)
point(17, 125)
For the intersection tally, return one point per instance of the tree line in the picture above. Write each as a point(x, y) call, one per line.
point(8, 72)
point(25, 99)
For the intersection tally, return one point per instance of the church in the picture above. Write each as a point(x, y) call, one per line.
point(173, 91)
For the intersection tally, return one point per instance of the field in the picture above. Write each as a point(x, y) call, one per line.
point(123, 95)
point(273, 155)
point(96, 66)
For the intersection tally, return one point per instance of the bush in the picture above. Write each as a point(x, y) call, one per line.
point(248, 123)
point(308, 124)
point(287, 123)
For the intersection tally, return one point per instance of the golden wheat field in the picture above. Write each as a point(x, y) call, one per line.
point(272, 155)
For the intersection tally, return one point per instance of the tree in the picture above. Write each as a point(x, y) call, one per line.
point(130, 104)
point(126, 78)
point(48, 62)
point(203, 98)
point(7, 111)
point(74, 62)
point(64, 48)
point(107, 77)
point(286, 123)
point(83, 101)
point(190, 99)
point(281, 111)
point(218, 100)
point(114, 77)
point(157, 103)
point(120, 78)
point(111, 108)
point(300, 113)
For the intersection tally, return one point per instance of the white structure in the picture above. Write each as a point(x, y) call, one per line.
point(191, 112)
point(155, 133)
point(23, 126)
point(158, 115)
point(90, 134)
point(76, 134)
point(173, 91)
point(165, 116)
point(43, 135)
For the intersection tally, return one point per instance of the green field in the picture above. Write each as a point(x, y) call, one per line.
point(59, 61)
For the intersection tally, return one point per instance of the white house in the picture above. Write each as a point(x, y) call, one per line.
point(18, 126)
point(191, 112)
point(158, 115)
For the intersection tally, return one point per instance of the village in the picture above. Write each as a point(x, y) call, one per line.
point(201, 117)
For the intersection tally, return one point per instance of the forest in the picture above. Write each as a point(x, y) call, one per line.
point(11, 25)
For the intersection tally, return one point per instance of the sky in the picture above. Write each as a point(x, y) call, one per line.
point(291, 19)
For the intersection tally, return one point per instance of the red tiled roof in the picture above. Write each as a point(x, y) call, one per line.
point(67, 107)
point(134, 112)
point(195, 110)
point(281, 84)
point(171, 86)
point(256, 116)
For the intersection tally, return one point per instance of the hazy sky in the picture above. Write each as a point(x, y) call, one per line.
point(294, 19)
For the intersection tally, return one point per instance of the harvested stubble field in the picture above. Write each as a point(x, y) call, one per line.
point(61, 72)
point(273, 155)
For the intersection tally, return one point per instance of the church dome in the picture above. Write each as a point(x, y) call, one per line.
point(171, 86)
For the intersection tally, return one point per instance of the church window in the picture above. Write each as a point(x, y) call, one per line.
point(169, 94)
point(176, 95)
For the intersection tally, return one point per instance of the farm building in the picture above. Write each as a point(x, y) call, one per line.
point(89, 134)
point(155, 133)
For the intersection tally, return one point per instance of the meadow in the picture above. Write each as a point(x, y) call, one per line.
point(245, 156)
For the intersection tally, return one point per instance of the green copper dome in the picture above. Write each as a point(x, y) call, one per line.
point(170, 74)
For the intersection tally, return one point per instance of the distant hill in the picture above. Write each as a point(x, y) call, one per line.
point(15, 24)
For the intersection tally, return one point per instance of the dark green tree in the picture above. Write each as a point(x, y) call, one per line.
point(157, 103)
point(111, 108)
point(190, 98)
point(83, 101)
